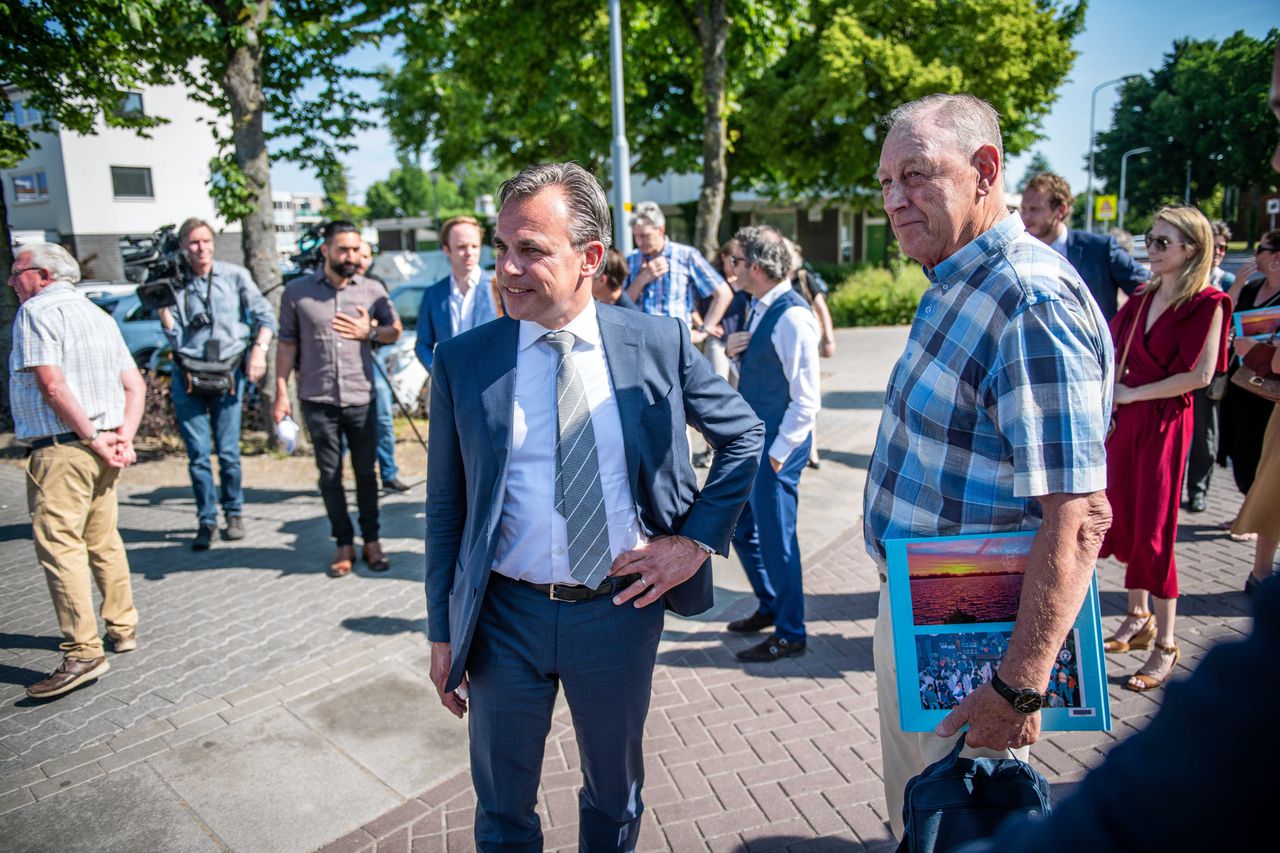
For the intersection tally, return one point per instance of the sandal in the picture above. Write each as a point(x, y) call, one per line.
point(1150, 677)
point(1139, 640)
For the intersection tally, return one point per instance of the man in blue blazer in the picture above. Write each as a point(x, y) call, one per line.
point(563, 515)
point(1105, 267)
point(461, 300)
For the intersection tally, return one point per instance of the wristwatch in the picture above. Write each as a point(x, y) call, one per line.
point(1024, 701)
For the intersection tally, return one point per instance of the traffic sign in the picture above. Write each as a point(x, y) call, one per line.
point(1273, 205)
point(1105, 207)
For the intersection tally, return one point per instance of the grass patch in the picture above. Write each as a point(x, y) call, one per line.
point(875, 296)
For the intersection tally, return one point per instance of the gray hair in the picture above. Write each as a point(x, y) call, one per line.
point(190, 225)
point(973, 121)
point(590, 219)
point(648, 213)
point(765, 245)
point(53, 258)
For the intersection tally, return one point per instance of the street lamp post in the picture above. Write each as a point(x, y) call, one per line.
point(1124, 175)
point(621, 152)
point(1093, 105)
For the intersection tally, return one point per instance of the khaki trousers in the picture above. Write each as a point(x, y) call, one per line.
point(905, 754)
point(71, 493)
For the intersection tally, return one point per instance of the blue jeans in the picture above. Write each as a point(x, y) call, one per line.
point(386, 425)
point(211, 424)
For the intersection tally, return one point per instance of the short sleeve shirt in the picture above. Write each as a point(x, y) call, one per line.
point(688, 277)
point(60, 327)
point(332, 369)
point(1003, 394)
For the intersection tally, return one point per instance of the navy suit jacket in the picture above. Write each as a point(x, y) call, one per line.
point(1104, 266)
point(660, 382)
point(434, 325)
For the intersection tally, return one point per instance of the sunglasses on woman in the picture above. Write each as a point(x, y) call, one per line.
point(1162, 243)
point(1261, 249)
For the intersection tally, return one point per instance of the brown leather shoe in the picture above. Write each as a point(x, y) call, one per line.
point(70, 674)
point(342, 561)
point(373, 556)
point(124, 642)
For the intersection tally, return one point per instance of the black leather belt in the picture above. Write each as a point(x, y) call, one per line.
point(51, 440)
point(575, 592)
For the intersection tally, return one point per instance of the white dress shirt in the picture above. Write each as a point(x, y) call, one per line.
point(462, 306)
point(795, 340)
point(533, 540)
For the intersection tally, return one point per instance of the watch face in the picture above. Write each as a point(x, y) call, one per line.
point(1027, 703)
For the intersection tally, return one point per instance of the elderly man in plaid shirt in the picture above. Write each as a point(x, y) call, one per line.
point(994, 420)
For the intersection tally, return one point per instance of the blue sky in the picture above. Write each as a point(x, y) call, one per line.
point(1121, 37)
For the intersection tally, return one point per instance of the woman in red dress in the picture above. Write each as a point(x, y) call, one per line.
point(1175, 332)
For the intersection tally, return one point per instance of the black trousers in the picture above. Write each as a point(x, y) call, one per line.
point(328, 425)
point(1204, 444)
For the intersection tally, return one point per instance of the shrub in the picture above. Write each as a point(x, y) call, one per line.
point(874, 296)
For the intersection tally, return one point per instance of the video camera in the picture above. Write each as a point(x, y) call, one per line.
point(157, 264)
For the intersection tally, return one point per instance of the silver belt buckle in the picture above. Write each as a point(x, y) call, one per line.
point(554, 597)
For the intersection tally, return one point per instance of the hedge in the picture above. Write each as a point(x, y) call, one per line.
point(874, 296)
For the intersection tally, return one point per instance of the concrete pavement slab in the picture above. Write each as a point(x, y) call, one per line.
point(273, 783)
point(391, 722)
point(130, 811)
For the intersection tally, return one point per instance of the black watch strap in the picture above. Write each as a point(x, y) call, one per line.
point(1024, 701)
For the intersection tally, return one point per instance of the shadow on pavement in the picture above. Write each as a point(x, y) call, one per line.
point(385, 625)
point(849, 460)
point(20, 675)
point(252, 496)
point(828, 655)
point(15, 532)
point(799, 844)
point(853, 400)
point(1115, 604)
point(28, 641)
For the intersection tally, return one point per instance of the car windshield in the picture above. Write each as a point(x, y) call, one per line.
point(407, 300)
point(106, 303)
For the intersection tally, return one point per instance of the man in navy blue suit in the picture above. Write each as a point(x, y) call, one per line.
point(563, 515)
point(1105, 267)
point(461, 300)
point(778, 377)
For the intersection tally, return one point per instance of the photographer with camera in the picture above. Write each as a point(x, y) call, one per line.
point(216, 305)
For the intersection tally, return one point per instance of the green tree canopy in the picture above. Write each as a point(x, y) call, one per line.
point(1037, 165)
point(810, 127)
point(1206, 104)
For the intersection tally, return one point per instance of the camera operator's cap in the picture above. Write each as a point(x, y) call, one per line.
point(287, 433)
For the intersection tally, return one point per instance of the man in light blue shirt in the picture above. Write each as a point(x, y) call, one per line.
point(666, 278)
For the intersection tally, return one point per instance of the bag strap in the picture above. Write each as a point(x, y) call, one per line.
point(1124, 359)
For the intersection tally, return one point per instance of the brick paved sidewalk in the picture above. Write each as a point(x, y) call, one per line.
point(785, 756)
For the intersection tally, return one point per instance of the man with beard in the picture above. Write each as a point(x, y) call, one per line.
point(329, 321)
point(1105, 267)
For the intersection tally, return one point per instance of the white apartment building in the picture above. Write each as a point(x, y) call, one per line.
point(293, 214)
point(89, 191)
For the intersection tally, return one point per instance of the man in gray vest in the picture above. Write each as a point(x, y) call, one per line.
point(777, 360)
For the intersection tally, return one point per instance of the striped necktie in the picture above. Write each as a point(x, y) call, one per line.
point(579, 498)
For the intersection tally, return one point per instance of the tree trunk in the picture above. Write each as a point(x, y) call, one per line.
point(8, 309)
point(713, 34)
point(243, 86)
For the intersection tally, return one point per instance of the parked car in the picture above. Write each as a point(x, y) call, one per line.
point(140, 327)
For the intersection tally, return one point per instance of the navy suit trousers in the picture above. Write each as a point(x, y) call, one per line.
point(767, 545)
point(525, 647)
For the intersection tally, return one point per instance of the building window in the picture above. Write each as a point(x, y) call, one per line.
point(20, 115)
point(32, 186)
point(131, 182)
point(130, 105)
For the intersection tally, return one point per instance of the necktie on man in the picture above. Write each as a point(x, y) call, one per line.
point(579, 497)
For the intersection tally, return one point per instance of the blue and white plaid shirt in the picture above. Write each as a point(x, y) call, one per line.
point(60, 327)
point(689, 276)
point(1003, 394)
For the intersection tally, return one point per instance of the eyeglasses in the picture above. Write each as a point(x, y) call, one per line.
point(1219, 247)
point(1162, 243)
point(1261, 249)
point(16, 273)
point(737, 259)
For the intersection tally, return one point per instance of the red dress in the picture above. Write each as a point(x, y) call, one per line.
point(1147, 452)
